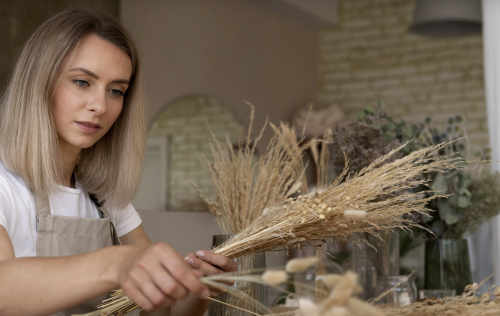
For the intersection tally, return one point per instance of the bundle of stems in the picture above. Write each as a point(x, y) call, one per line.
point(374, 199)
point(246, 185)
point(338, 292)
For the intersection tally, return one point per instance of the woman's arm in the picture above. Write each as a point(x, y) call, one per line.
point(42, 286)
point(211, 264)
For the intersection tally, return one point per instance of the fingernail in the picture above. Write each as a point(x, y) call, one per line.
point(189, 260)
point(200, 254)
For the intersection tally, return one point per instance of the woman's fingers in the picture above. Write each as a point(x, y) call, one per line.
point(224, 263)
point(157, 277)
point(205, 268)
point(180, 271)
point(169, 285)
point(153, 294)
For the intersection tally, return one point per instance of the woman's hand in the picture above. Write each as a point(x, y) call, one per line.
point(209, 263)
point(155, 277)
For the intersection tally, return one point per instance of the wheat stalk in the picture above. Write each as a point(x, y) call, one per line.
point(380, 190)
point(246, 185)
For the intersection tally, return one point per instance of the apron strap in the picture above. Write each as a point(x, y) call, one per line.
point(114, 235)
point(103, 210)
point(42, 204)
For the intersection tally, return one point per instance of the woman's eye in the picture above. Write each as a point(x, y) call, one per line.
point(81, 83)
point(116, 92)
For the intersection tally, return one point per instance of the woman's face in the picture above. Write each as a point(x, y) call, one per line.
point(89, 96)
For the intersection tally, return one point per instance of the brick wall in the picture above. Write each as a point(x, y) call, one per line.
point(371, 55)
point(184, 123)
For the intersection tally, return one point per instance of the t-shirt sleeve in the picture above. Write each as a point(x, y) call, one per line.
point(5, 215)
point(126, 220)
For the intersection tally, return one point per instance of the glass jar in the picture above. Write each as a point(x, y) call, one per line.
point(402, 291)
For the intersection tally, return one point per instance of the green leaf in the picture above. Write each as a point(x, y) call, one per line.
point(369, 109)
point(452, 217)
point(463, 201)
point(439, 184)
point(444, 207)
point(390, 126)
point(426, 219)
point(361, 115)
point(436, 229)
point(453, 200)
point(464, 191)
point(451, 174)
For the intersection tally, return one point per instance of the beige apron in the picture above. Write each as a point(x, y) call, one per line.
point(65, 236)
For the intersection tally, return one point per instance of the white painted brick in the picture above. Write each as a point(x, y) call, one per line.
point(432, 44)
point(368, 74)
point(475, 94)
point(335, 36)
point(416, 76)
point(404, 71)
point(395, 92)
point(420, 79)
point(450, 75)
point(386, 83)
point(368, 33)
point(354, 86)
point(383, 42)
point(356, 24)
point(353, 44)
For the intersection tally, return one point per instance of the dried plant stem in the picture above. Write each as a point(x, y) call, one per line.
point(381, 296)
point(236, 307)
point(245, 184)
point(380, 190)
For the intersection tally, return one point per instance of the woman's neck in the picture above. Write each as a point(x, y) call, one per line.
point(69, 160)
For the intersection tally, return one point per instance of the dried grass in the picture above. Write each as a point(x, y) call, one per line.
point(380, 189)
point(469, 303)
point(246, 185)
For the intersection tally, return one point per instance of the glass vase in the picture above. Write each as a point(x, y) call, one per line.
point(309, 283)
point(447, 264)
point(252, 264)
point(401, 290)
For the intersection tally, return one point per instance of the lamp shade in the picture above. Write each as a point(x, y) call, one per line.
point(446, 18)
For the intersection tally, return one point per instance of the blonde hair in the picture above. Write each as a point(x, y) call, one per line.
point(112, 167)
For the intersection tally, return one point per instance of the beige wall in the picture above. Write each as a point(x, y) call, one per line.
point(232, 50)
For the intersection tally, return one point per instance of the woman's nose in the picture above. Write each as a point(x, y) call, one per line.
point(97, 103)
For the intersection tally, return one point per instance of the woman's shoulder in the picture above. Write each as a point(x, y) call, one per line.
point(10, 179)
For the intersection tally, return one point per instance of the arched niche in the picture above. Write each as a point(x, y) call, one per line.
point(177, 137)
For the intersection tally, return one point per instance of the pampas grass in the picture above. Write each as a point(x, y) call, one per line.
point(299, 265)
point(379, 194)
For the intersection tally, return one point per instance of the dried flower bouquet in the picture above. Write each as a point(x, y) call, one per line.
point(373, 199)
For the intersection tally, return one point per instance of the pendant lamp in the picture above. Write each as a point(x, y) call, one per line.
point(446, 18)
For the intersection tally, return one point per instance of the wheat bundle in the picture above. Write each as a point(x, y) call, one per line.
point(376, 198)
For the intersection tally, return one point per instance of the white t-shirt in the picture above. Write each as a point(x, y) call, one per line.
point(18, 213)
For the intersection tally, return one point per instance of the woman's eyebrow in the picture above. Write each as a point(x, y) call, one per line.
point(90, 73)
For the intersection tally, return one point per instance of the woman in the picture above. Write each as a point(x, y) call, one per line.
point(72, 134)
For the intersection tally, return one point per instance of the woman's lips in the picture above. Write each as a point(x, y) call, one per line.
point(89, 127)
